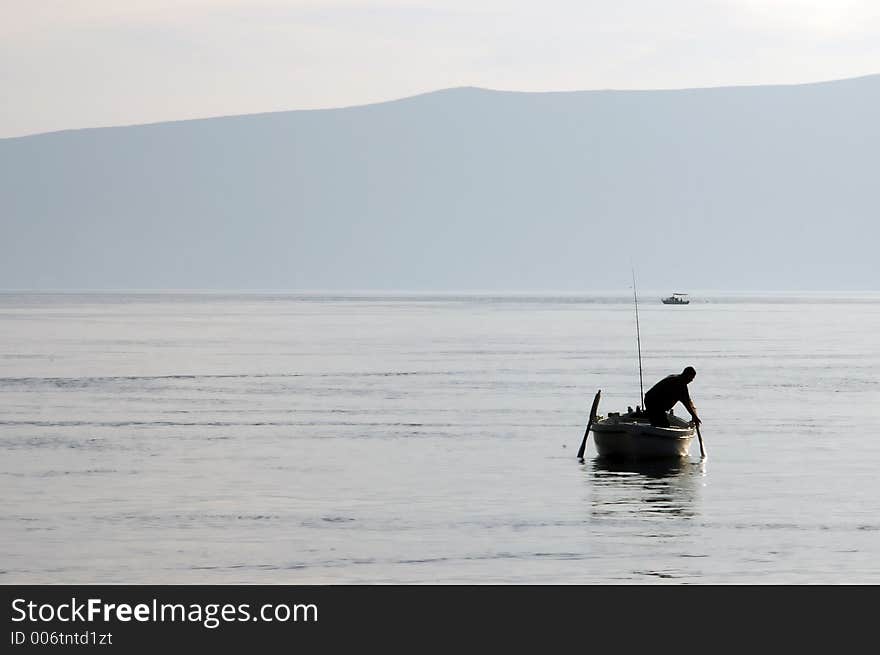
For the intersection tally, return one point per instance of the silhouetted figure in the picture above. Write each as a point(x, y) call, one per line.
point(672, 389)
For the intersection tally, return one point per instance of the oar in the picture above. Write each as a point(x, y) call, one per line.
point(589, 424)
point(700, 437)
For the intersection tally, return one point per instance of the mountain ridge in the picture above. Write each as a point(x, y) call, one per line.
point(447, 90)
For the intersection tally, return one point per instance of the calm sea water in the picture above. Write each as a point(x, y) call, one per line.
point(186, 438)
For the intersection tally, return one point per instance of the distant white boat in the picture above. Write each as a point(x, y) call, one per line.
point(676, 299)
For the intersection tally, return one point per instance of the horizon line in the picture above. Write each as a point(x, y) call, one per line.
point(415, 292)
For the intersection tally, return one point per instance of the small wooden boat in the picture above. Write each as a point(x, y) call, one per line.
point(676, 299)
point(631, 436)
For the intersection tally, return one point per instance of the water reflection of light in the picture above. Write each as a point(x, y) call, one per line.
point(639, 489)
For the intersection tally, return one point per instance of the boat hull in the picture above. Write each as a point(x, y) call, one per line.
point(629, 438)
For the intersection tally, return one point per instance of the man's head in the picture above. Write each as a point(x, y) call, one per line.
point(688, 374)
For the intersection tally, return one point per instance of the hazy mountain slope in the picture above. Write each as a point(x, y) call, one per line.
point(737, 188)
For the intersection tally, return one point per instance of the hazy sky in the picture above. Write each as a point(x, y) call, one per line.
point(82, 63)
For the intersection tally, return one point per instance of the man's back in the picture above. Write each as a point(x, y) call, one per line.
point(667, 392)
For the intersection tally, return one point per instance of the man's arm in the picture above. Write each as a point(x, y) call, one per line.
point(689, 405)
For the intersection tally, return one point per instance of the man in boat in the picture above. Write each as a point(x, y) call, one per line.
point(672, 389)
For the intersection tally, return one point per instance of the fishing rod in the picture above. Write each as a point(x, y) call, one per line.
point(638, 340)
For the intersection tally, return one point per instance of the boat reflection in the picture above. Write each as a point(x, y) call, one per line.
point(640, 489)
